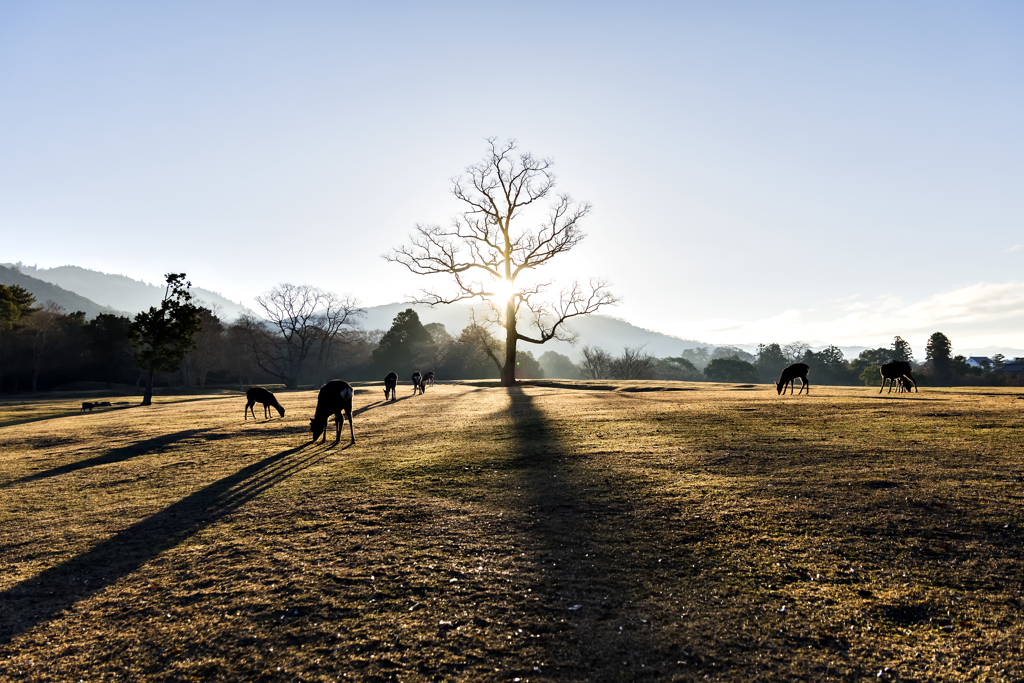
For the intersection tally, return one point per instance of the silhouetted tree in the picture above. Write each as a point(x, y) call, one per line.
point(730, 370)
point(877, 357)
point(771, 360)
point(939, 351)
point(162, 336)
point(208, 350)
point(871, 376)
point(403, 347)
point(486, 255)
point(239, 356)
point(901, 350)
point(299, 321)
point(15, 303)
point(112, 359)
point(829, 365)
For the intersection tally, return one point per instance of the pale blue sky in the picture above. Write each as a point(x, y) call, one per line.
point(759, 171)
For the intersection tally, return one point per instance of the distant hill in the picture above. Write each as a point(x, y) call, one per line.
point(45, 291)
point(610, 333)
point(120, 292)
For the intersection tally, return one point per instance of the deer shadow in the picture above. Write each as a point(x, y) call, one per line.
point(36, 600)
point(114, 455)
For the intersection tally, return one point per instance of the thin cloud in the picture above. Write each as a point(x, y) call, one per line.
point(976, 315)
point(1016, 247)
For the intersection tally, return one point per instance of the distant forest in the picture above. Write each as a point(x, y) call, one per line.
point(43, 347)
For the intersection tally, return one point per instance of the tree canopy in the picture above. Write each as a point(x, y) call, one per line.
point(404, 346)
point(901, 350)
point(162, 336)
point(730, 370)
point(15, 301)
point(939, 351)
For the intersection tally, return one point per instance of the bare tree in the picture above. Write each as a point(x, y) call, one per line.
point(299, 321)
point(597, 363)
point(795, 351)
point(634, 363)
point(485, 255)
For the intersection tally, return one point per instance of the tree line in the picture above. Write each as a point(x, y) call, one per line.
point(828, 366)
point(304, 336)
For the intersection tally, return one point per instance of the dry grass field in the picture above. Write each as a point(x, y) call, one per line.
point(551, 532)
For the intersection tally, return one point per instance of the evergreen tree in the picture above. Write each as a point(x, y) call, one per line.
point(401, 347)
point(771, 360)
point(15, 303)
point(901, 349)
point(162, 336)
point(939, 351)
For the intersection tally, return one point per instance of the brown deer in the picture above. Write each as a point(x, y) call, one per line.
point(894, 372)
point(260, 395)
point(334, 398)
point(428, 378)
point(789, 375)
point(390, 386)
point(417, 382)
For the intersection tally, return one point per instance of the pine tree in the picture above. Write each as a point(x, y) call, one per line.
point(901, 349)
point(162, 336)
point(939, 351)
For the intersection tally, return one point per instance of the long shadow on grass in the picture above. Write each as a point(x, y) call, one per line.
point(36, 600)
point(114, 455)
point(599, 559)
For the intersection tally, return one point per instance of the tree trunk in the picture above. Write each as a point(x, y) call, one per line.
point(147, 398)
point(508, 373)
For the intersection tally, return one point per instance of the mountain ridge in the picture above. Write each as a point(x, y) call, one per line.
point(45, 291)
point(119, 292)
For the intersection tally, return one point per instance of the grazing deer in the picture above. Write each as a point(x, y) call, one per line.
point(789, 375)
point(260, 395)
point(390, 386)
point(334, 398)
point(896, 371)
point(417, 382)
point(428, 378)
point(88, 406)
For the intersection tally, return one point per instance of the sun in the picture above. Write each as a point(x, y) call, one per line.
point(502, 290)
